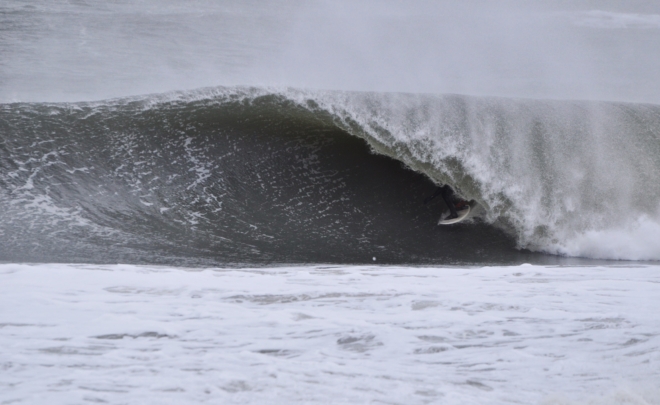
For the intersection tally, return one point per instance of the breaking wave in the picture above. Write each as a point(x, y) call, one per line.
point(258, 175)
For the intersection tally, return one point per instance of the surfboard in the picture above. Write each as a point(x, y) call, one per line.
point(462, 214)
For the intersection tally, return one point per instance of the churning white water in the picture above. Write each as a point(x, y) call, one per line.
point(329, 334)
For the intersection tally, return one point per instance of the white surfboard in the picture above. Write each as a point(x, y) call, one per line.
point(462, 214)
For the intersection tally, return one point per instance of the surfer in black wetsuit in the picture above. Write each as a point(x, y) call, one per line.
point(450, 199)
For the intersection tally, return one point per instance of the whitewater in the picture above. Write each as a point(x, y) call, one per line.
point(223, 202)
point(329, 334)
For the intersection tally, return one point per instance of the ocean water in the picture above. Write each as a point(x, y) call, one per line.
point(216, 201)
point(74, 334)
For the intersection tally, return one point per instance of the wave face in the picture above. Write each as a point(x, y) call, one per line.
point(256, 175)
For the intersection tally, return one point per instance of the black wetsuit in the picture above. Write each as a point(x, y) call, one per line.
point(448, 196)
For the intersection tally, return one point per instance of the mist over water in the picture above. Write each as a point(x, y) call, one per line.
point(86, 50)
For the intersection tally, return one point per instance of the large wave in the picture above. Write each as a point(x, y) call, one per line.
point(565, 177)
point(258, 175)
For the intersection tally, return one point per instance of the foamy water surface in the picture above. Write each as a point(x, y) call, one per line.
point(329, 334)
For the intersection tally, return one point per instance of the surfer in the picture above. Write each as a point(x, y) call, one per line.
point(450, 200)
